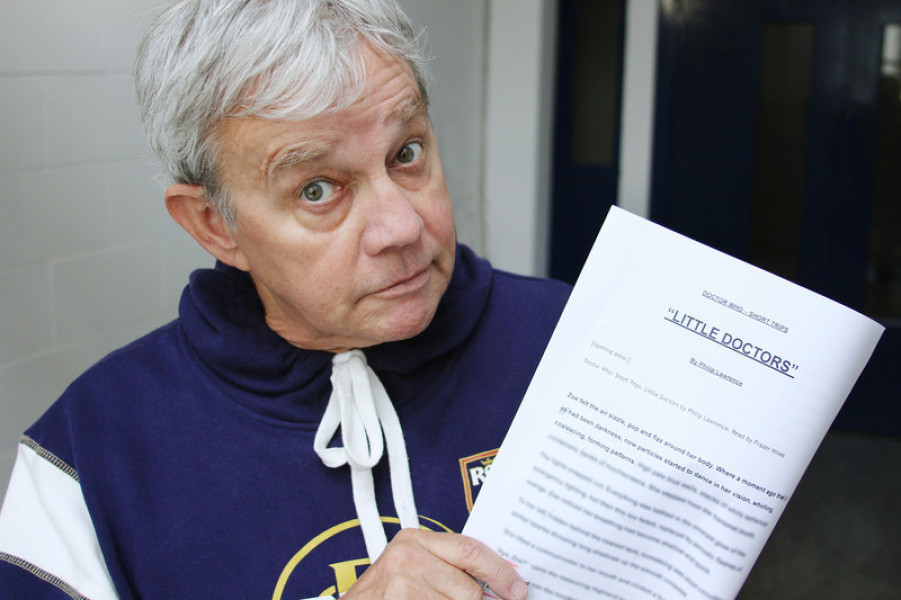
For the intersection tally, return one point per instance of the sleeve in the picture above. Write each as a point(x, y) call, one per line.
point(48, 547)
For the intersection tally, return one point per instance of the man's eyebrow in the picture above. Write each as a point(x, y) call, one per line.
point(303, 153)
point(306, 153)
point(414, 109)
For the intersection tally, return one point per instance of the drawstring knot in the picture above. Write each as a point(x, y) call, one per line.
point(361, 408)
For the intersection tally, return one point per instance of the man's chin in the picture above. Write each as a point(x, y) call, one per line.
point(405, 318)
point(406, 324)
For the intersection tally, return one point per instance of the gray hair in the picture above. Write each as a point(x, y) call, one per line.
point(206, 60)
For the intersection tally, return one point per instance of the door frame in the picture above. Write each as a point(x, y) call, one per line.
point(521, 71)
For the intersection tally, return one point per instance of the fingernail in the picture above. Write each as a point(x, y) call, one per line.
point(519, 590)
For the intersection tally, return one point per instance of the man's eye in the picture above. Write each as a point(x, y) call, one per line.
point(317, 191)
point(409, 153)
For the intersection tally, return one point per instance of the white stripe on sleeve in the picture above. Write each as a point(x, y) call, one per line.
point(45, 526)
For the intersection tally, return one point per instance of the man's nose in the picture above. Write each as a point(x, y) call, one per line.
point(392, 220)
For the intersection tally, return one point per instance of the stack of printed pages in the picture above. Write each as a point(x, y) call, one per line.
point(678, 403)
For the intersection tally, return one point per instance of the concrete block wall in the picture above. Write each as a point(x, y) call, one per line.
point(456, 35)
point(89, 258)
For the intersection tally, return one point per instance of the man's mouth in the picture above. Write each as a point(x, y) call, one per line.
point(405, 285)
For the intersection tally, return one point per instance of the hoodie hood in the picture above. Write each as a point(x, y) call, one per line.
point(223, 326)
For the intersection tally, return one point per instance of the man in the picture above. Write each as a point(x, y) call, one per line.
point(238, 451)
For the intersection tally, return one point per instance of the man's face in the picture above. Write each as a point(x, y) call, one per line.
point(343, 220)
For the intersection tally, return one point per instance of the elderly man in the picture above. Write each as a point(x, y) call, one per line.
point(238, 451)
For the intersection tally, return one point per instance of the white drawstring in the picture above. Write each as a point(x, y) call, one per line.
point(360, 405)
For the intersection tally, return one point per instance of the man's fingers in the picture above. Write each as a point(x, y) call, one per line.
point(425, 565)
point(477, 559)
point(408, 569)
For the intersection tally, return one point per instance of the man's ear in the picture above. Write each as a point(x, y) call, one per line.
point(190, 207)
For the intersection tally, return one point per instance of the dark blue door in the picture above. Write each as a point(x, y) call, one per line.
point(777, 140)
point(587, 126)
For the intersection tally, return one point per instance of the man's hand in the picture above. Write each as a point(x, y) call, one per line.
point(425, 565)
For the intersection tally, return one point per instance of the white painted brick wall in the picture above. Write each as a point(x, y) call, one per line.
point(89, 259)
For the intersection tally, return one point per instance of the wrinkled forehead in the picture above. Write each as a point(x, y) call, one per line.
point(261, 148)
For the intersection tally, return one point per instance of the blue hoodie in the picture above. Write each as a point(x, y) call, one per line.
point(192, 447)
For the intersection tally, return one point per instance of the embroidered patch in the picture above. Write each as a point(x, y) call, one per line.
point(474, 470)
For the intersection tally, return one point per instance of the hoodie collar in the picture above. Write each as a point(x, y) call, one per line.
point(223, 323)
